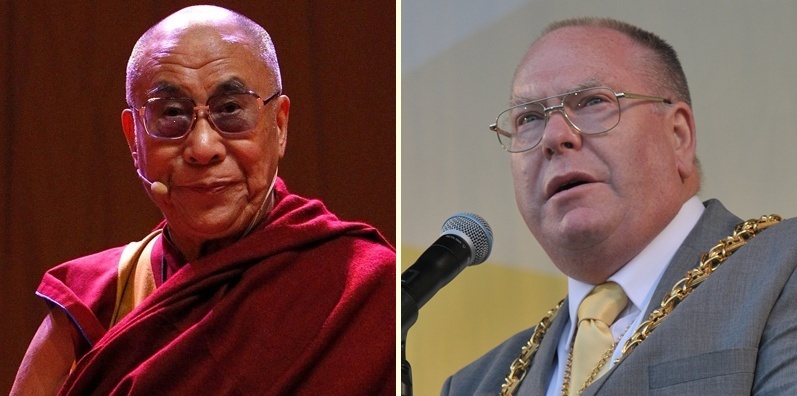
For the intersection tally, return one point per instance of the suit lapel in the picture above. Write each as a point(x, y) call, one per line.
point(716, 223)
point(541, 368)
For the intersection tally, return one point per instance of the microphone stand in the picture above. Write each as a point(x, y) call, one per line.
point(409, 315)
point(406, 370)
point(439, 264)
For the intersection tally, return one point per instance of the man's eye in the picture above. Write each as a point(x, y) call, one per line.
point(169, 107)
point(227, 107)
point(593, 100)
point(527, 118)
point(173, 112)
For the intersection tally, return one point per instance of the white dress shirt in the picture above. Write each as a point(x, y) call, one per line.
point(638, 279)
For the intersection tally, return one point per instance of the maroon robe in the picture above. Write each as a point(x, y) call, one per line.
point(305, 304)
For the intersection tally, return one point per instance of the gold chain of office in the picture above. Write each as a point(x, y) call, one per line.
point(709, 262)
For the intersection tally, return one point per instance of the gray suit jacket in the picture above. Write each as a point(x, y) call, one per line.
point(736, 334)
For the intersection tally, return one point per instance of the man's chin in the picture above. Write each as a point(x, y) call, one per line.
point(211, 226)
point(579, 228)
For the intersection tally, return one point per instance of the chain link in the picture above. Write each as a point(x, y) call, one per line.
point(709, 262)
point(518, 369)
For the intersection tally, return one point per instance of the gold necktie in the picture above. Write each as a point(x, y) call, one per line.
point(593, 338)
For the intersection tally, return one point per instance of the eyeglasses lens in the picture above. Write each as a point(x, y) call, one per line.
point(590, 111)
point(174, 117)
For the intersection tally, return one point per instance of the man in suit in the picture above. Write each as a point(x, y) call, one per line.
point(602, 137)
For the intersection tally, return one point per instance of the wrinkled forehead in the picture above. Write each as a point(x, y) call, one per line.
point(201, 51)
point(572, 58)
point(199, 42)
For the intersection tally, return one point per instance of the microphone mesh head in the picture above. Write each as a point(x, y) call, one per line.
point(477, 229)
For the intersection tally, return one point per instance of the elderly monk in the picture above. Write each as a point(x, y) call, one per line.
point(244, 288)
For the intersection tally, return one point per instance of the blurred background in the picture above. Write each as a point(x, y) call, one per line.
point(67, 182)
point(457, 64)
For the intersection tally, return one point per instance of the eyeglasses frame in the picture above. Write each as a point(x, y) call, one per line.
point(260, 104)
point(561, 108)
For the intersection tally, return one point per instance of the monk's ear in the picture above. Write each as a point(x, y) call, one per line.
point(129, 128)
point(283, 111)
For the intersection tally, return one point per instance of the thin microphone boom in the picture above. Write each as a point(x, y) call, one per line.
point(156, 187)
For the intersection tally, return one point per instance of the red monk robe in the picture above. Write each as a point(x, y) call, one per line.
point(303, 305)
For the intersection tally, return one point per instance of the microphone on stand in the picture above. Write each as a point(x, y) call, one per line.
point(465, 239)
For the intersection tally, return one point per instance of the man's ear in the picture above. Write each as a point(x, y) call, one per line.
point(283, 111)
point(684, 139)
point(129, 128)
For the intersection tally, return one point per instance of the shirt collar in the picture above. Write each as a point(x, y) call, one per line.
point(639, 277)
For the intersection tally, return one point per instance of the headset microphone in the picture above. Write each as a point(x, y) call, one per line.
point(156, 187)
point(161, 189)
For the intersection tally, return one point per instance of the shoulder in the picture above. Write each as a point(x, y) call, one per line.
point(306, 224)
point(486, 374)
point(785, 228)
point(84, 270)
point(369, 267)
point(371, 255)
point(85, 288)
point(778, 244)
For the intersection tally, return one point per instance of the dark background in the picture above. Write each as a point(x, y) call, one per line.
point(68, 183)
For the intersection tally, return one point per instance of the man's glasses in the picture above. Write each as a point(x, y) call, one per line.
point(229, 114)
point(590, 111)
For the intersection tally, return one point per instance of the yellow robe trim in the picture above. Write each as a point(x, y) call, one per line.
point(135, 278)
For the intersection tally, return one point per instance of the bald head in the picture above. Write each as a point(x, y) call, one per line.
point(231, 26)
point(659, 61)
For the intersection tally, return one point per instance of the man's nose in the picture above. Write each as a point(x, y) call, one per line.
point(204, 145)
point(559, 133)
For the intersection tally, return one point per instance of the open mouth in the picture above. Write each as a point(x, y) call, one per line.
point(569, 185)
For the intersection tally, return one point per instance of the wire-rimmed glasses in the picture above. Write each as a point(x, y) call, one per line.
point(591, 111)
point(230, 114)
